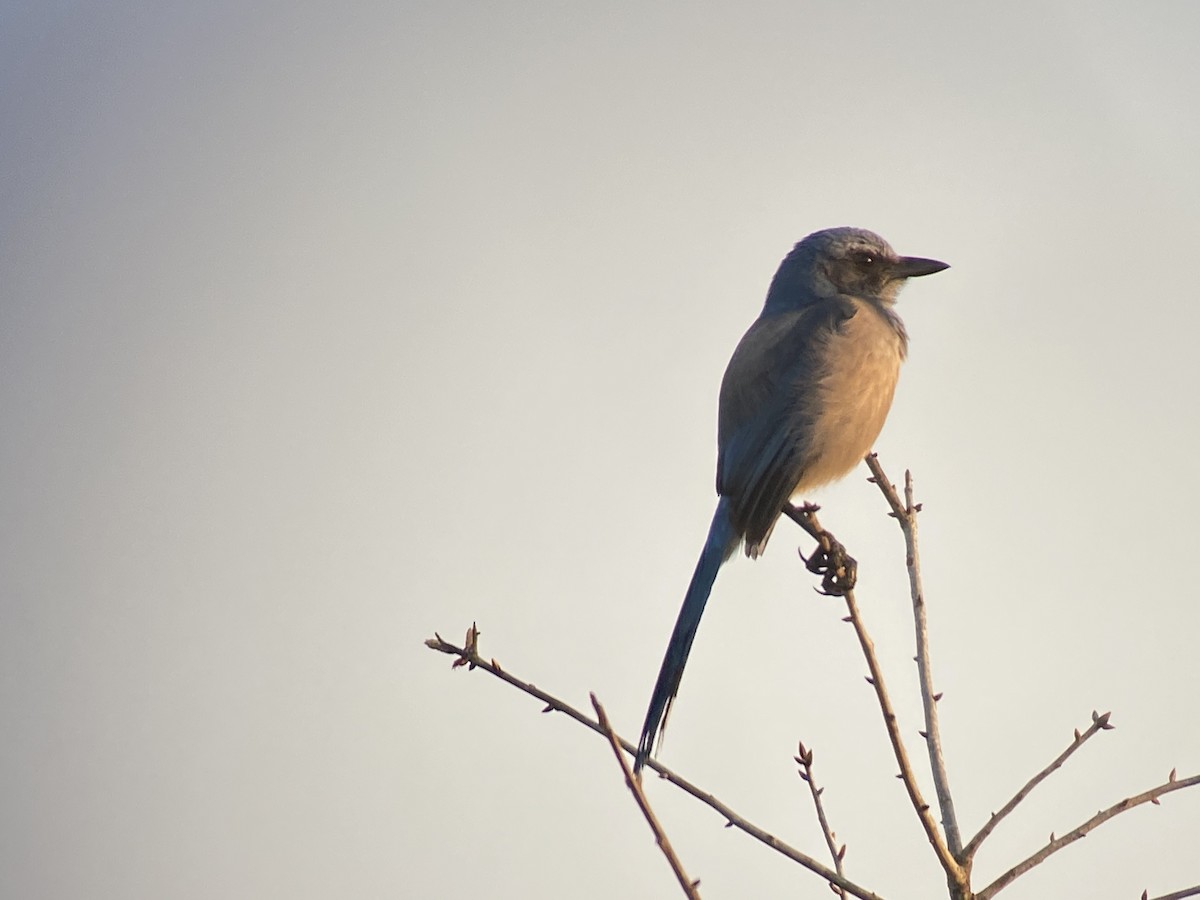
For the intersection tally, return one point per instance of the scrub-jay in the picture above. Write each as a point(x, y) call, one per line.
point(802, 401)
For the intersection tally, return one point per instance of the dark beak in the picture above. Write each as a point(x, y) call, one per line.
point(915, 266)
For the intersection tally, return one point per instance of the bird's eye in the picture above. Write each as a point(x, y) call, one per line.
point(865, 258)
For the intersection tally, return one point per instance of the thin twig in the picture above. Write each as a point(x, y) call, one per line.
point(805, 760)
point(906, 515)
point(953, 870)
point(1099, 723)
point(1056, 844)
point(690, 887)
point(957, 876)
point(1177, 895)
point(468, 656)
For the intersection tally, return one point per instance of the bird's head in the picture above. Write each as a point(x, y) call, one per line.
point(845, 261)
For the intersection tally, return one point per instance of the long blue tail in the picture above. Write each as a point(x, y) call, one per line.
point(722, 540)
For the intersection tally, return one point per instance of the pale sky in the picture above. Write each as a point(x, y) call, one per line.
point(329, 326)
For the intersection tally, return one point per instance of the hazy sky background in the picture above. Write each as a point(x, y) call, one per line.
point(327, 326)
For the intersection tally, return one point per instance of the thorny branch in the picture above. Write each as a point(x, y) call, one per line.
point(838, 571)
point(827, 545)
point(1099, 723)
point(468, 655)
point(906, 515)
point(1055, 844)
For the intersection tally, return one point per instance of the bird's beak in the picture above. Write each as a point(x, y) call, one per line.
point(915, 266)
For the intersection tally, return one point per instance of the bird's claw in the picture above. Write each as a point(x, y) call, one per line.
point(837, 568)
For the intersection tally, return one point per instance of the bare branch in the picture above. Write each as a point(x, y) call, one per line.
point(906, 515)
point(468, 655)
point(830, 548)
point(953, 870)
point(1099, 723)
point(1056, 844)
point(838, 571)
point(1176, 895)
point(805, 760)
point(690, 888)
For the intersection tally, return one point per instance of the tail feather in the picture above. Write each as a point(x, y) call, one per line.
point(721, 542)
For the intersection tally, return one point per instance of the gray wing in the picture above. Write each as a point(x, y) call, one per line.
point(766, 414)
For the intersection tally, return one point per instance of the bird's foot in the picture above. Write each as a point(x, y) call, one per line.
point(837, 568)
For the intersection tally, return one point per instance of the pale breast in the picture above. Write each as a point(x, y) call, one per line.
point(856, 394)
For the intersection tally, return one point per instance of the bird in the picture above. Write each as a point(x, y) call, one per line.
point(803, 399)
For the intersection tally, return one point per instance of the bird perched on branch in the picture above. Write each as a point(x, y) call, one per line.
point(803, 399)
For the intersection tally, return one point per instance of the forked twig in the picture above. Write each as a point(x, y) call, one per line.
point(806, 517)
point(690, 887)
point(1099, 723)
point(838, 571)
point(468, 655)
point(1055, 844)
point(905, 514)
